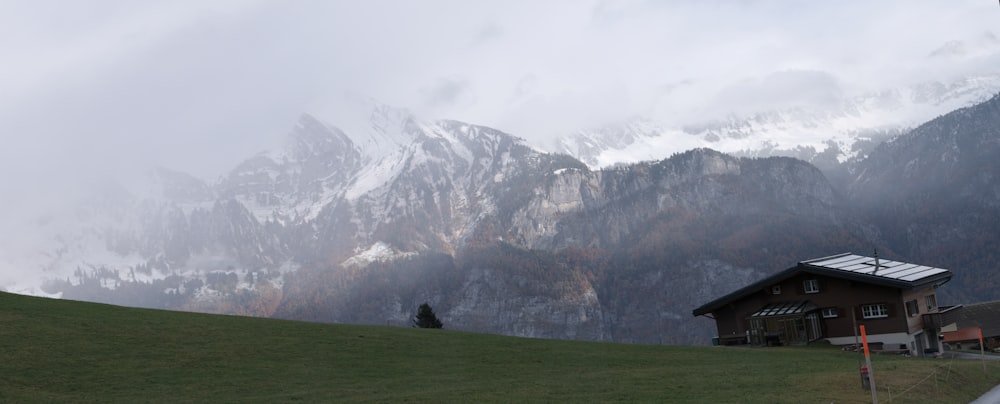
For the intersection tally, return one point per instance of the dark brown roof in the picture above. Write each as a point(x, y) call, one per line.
point(849, 266)
point(985, 315)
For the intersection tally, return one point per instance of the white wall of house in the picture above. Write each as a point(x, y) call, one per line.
point(887, 340)
point(894, 340)
point(914, 318)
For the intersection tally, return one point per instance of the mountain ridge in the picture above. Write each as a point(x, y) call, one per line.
point(824, 135)
point(497, 236)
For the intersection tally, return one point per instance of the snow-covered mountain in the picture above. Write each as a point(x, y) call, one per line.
point(363, 221)
point(343, 222)
point(823, 134)
point(389, 186)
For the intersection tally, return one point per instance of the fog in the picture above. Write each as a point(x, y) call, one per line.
point(96, 88)
point(198, 87)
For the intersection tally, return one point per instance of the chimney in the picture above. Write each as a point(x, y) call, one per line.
point(876, 262)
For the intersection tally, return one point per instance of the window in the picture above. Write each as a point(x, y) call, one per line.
point(912, 309)
point(830, 312)
point(776, 290)
point(931, 301)
point(811, 285)
point(874, 311)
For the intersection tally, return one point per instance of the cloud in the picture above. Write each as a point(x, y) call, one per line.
point(105, 85)
point(448, 91)
point(487, 33)
point(779, 90)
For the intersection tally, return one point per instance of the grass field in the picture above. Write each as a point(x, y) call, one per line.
point(58, 351)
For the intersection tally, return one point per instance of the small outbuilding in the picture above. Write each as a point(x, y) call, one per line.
point(960, 325)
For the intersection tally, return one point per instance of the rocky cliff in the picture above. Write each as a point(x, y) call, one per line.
point(362, 225)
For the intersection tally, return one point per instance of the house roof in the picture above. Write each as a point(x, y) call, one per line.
point(885, 269)
point(848, 266)
point(985, 315)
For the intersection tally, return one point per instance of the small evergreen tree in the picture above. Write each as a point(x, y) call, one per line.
point(425, 318)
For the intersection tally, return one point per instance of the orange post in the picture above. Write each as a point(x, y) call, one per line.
point(868, 363)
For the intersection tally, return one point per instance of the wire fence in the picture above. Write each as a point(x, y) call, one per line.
point(933, 374)
point(938, 375)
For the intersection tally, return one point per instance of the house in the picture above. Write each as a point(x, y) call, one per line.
point(960, 324)
point(825, 299)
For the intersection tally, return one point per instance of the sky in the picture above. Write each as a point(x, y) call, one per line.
point(93, 87)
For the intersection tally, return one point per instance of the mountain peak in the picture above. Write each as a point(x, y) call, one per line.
point(311, 138)
point(375, 129)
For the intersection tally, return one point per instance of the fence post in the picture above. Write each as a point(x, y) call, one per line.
point(868, 362)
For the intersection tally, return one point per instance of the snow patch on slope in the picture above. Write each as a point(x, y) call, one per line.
point(377, 252)
point(377, 175)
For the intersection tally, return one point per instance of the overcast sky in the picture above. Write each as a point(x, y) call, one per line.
point(92, 86)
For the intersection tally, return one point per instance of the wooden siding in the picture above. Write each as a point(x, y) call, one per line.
point(844, 295)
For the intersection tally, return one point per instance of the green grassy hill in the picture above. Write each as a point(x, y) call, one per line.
point(56, 351)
